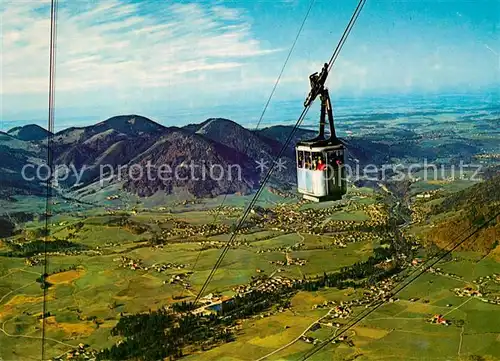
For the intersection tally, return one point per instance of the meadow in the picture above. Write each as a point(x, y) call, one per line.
point(395, 331)
point(90, 290)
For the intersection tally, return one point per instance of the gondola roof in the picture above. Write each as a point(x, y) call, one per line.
point(320, 142)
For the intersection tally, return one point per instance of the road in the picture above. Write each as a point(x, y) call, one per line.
point(298, 337)
point(2, 328)
point(17, 289)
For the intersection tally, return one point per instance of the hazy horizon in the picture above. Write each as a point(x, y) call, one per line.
point(279, 112)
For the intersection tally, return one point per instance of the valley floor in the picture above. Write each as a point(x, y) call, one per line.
point(127, 262)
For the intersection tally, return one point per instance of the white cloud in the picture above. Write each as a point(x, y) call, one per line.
point(116, 45)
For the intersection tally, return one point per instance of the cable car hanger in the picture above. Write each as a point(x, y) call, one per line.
point(318, 88)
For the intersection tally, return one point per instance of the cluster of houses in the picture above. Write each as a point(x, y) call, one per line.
point(188, 202)
point(342, 239)
point(184, 229)
point(418, 213)
point(265, 284)
point(325, 304)
point(492, 297)
point(127, 262)
point(417, 262)
point(467, 292)
point(488, 156)
point(220, 244)
point(34, 261)
point(494, 301)
point(382, 290)
point(309, 339)
point(495, 278)
point(344, 338)
point(289, 217)
point(290, 262)
point(179, 279)
point(82, 352)
point(214, 298)
point(275, 249)
point(225, 211)
point(136, 264)
point(430, 194)
point(162, 267)
point(341, 311)
point(378, 213)
point(439, 319)
point(296, 247)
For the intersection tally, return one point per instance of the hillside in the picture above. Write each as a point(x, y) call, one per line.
point(254, 145)
point(15, 153)
point(233, 135)
point(125, 140)
point(109, 148)
point(475, 197)
point(464, 212)
point(199, 162)
point(129, 125)
point(30, 132)
point(280, 133)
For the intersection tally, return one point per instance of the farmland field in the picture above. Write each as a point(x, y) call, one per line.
point(136, 261)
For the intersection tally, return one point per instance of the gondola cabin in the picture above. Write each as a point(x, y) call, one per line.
point(320, 171)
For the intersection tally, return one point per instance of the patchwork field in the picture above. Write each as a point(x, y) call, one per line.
point(395, 331)
point(134, 261)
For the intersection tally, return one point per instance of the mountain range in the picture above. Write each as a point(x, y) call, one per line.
point(122, 141)
point(132, 139)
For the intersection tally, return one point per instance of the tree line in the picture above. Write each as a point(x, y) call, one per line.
point(32, 248)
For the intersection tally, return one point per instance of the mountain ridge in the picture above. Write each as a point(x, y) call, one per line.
point(123, 140)
point(29, 132)
point(467, 211)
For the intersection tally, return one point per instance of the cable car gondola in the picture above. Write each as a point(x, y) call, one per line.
point(320, 161)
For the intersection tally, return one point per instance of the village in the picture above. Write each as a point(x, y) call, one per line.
point(136, 264)
point(82, 352)
point(316, 221)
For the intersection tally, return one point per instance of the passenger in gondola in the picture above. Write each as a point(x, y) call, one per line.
point(307, 164)
point(300, 162)
point(320, 165)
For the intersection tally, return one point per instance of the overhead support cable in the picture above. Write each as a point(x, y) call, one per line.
point(283, 148)
point(50, 128)
point(263, 112)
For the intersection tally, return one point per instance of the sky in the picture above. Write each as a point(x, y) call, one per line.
point(155, 57)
